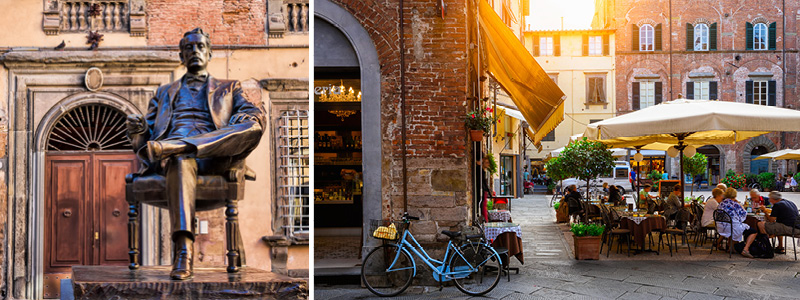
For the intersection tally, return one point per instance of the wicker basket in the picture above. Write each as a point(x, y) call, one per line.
point(387, 230)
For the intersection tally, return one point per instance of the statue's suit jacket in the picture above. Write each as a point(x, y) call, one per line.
point(226, 101)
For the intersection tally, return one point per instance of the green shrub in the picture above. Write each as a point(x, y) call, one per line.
point(751, 178)
point(766, 180)
point(581, 229)
point(730, 173)
point(492, 165)
point(797, 176)
point(489, 205)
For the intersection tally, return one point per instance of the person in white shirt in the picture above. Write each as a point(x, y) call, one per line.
point(711, 206)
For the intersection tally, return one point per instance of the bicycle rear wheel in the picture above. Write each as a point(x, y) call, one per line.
point(387, 271)
point(486, 273)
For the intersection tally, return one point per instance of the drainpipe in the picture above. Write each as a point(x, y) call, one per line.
point(403, 106)
point(783, 85)
point(670, 54)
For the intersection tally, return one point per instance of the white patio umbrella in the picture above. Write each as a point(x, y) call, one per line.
point(781, 154)
point(687, 124)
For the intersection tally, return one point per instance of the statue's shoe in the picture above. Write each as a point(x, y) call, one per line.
point(183, 264)
point(159, 150)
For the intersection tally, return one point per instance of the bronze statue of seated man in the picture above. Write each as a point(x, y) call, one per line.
point(197, 125)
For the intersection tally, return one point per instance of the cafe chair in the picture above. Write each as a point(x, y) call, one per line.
point(213, 191)
point(795, 235)
point(721, 218)
point(611, 231)
point(682, 219)
point(702, 231)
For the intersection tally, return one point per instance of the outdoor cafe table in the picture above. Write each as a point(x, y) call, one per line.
point(753, 219)
point(505, 235)
point(499, 215)
point(641, 226)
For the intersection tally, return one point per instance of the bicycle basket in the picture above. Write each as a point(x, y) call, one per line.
point(386, 230)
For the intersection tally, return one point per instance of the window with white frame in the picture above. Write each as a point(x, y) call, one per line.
point(647, 94)
point(701, 90)
point(761, 92)
point(595, 45)
point(546, 46)
point(293, 172)
point(646, 38)
point(701, 37)
point(760, 35)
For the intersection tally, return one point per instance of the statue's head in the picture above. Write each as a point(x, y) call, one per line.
point(195, 50)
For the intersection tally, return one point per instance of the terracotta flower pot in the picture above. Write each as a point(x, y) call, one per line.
point(476, 135)
point(587, 247)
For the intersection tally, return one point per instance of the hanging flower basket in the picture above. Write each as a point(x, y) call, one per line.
point(476, 135)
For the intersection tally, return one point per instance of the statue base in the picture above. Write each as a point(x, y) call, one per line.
point(153, 282)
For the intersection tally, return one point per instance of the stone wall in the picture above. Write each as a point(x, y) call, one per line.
point(437, 89)
point(730, 65)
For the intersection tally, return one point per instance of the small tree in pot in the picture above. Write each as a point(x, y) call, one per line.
point(694, 165)
point(586, 160)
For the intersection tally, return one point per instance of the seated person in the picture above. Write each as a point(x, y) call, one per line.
point(778, 223)
point(574, 200)
point(605, 187)
point(757, 199)
point(673, 203)
point(614, 196)
point(710, 206)
point(738, 215)
point(644, 195)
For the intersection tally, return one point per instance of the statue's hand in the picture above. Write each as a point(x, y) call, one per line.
point(135, 124)
point(241, 118)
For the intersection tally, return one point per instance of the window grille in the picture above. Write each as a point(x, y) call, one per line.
point(293, 172)
point(90, 127)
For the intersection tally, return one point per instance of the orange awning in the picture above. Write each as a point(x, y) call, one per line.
point(536, 96)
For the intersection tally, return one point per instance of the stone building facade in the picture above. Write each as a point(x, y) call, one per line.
point(262, 43)
point(725, 50)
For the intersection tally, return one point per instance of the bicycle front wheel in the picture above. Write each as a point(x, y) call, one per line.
point(485, 269)
point(387, 271)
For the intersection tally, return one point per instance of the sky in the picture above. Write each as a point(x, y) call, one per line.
point(546, 14)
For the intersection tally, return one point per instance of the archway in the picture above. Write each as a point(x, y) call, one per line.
point(82, 157)
point(758, 166)
point(352, 52)
point(714, 171)
point(760, 144)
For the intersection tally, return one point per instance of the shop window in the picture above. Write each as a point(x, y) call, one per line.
point(293, 172)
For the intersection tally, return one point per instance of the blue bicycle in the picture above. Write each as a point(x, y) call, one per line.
point(474, 266)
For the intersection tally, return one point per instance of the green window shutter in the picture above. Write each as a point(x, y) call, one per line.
point(748, 37)
point(657, 38)
point(557, 45)
point(748, 91)
point(771, 89)
point(635, 98)
point(634, 37)
point(712, 37)
point(689, 37)
point(712, 91)
point(658, 92)
point(535, 45)
point(606, 45)
point(585, 49)
point(772, 35)
point(689, 90)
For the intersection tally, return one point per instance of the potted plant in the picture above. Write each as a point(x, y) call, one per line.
point(479, 121)
point(551, 188)
point(767, 181)
point(587, 240)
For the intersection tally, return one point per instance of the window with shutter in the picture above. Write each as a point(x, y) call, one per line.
point(760, 36)
point(748, 91)
point(585, 45)
point(657, 34)
point(546, 46)
point(635, 99)
point(760, 92)
point(701, 37)
point(689, 36)
point(536, 43)
point(771, 90)
point(712, 90)
point(595, 89)
point(771, 36)
point(596, 45)
point(748, 36)
point(658, 92)
point(635, 32)
point(606, 45)
point(712, 37)
point(647, 94)
point(646, 38)
point(557, 45)
point(701, 90)
point(689, 90)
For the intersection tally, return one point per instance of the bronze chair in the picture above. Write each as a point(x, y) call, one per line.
point(213, 191)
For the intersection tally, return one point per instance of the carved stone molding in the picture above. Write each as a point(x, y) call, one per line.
point(287, 17)
point(109, 16)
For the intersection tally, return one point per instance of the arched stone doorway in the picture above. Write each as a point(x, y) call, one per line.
point(757, 146)
point(86, 155)
point(348, 47)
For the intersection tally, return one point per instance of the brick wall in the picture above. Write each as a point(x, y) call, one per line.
point(227, 21)
point(730, 65)
point(436, 82)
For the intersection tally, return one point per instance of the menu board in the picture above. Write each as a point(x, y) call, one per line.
point(665, 187)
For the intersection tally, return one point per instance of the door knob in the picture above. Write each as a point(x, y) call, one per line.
point(67, 213)
point(116, 213)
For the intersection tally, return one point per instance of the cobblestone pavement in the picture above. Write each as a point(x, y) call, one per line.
point(551, 273)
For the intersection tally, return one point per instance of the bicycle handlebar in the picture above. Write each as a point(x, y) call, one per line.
point(407, 217)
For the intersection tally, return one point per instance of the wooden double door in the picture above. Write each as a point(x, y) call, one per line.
point(85, 210)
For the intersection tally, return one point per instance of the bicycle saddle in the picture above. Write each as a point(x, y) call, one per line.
point(451, 234)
